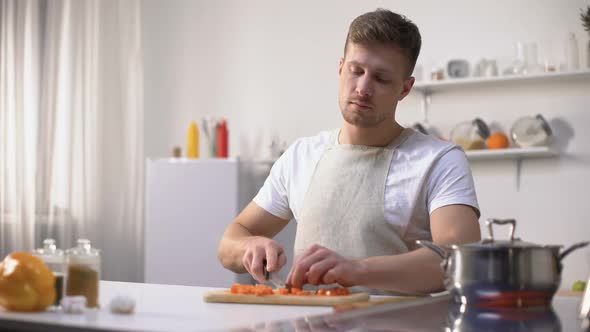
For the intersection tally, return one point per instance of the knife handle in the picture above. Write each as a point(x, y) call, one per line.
point(265, 271)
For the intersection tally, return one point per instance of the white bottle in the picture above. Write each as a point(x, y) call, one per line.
point(571, 53)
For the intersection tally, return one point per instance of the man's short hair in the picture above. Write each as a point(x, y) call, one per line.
point(383, 26)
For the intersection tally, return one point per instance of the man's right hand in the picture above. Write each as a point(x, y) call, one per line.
point(257, 250)
point(247, 242)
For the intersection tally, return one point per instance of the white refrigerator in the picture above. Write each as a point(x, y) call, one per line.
point(189, 203)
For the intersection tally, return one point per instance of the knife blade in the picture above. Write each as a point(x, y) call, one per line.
point(273, 278)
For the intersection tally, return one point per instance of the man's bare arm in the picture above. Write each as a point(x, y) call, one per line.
point(415, 272)
point(419, 271)
point(247, 241)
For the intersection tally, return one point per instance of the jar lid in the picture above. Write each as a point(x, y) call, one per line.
point(482, 128)
point(83, 249)
point(544, 124)
point(49, 252)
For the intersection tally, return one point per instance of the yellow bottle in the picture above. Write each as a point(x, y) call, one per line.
point(192, 149)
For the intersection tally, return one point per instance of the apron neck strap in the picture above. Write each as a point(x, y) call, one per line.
point(405, 133)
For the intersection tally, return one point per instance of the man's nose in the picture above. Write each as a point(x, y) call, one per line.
point(364, 87)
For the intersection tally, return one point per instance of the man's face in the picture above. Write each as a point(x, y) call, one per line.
point(372, 80)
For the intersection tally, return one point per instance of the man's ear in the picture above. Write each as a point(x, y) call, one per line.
point(340, 65)
point(408, 84)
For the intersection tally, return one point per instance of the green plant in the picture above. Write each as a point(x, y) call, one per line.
point(585, 17)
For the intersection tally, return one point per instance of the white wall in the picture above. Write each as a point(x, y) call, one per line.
point(270, 67)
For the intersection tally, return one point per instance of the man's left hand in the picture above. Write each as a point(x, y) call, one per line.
point(319, 265)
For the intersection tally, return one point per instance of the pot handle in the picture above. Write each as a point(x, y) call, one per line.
point(572, 248)
point(490, 222)
point(437, 249)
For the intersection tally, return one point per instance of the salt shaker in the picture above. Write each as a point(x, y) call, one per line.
point(83, 267)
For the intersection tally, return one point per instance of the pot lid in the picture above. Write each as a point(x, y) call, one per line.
point(513, 242)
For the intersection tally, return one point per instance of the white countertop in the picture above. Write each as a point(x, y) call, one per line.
point(167, 308)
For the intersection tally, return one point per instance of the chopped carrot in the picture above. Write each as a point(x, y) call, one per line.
point(262, 290)
point(335, 291)
point(282, 291)
point(251, 289)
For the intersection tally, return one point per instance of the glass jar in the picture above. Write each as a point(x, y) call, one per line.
point(83, 272)
point(531, 131)
point(54, 259)
point(471, 135)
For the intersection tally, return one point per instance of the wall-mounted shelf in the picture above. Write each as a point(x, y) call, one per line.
point(428, 87)
point(511, 153)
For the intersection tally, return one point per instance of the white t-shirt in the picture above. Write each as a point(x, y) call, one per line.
point(425, 173)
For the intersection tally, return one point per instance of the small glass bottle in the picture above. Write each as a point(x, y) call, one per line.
point(571, 52)
point(83, 270)
point(54, 259)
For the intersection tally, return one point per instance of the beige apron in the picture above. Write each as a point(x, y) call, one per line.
point(343, 207)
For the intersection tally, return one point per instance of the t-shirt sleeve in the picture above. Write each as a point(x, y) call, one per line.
point(451, 182)
point(273, 196)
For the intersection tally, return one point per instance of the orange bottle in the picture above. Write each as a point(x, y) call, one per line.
point(222, 140)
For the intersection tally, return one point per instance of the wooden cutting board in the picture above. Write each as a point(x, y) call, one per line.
point(313, 300)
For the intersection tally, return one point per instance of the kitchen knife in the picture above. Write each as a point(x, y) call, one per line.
point(273, 278)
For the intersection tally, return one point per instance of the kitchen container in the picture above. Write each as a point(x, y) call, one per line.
point(471, 135)
point(530, 131)
point(502, 273)
point(458, 68)
point(54, 259)
point(83, 268)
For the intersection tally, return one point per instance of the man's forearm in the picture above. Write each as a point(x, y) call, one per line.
point(231, 248)
point(415, 272)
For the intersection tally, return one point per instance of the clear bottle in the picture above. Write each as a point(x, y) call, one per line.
point(572, 57)
point(471, 135)
point(83, 272)
point(54, 259)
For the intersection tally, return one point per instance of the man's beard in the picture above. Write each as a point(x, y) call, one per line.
point(363, 120)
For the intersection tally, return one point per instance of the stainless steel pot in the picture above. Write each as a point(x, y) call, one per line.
point(502, 273)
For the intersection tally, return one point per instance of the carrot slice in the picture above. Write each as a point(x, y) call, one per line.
point(282, 291)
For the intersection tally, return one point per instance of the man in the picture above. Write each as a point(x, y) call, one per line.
point(363, 194)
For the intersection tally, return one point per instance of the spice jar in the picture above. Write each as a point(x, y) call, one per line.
point(471, 135)
point(55, 260)
point(83, 264)
point(531, 131)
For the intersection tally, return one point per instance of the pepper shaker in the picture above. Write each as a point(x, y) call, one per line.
point(83, 264)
